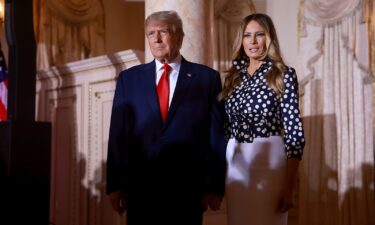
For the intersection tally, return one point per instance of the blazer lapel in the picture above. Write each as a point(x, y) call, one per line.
point(184, 79)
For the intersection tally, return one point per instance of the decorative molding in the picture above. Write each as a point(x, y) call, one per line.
point(127, 58)
point(234, 10)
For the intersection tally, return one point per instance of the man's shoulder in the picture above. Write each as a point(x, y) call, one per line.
point(135, 70)
point(201, 67)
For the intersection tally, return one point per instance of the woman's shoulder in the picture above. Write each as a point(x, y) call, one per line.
point(289, 70)
point(290, 73)
point(290, 76)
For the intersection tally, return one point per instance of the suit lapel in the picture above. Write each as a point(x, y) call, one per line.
point(184, 79)
point(149, 90)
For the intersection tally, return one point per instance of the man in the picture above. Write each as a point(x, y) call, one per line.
point(166, 152)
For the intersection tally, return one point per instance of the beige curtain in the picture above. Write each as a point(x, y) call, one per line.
point(68, 30)
point(369, 10)
point(337, 172)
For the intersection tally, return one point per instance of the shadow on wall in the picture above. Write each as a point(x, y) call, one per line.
point(57, 103)
point(318, 198)
point(94, 207)
point(101, 211)
point(328, 192)
point(359, 197)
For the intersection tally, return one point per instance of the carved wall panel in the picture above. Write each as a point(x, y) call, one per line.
point(100, 105)
point(77, 99)
point(64, 107)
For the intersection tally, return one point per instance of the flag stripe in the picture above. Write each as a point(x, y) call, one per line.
point(4, 93)
point(3, 88)
point(3, 112)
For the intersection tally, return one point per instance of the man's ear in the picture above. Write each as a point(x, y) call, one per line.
point(180, 39)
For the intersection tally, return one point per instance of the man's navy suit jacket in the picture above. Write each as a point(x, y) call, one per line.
point(183, 155)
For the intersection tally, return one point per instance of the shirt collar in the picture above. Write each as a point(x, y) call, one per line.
point(175, 63)
point(242, 63)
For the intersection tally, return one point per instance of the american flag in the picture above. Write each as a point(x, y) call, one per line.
point(3, 87)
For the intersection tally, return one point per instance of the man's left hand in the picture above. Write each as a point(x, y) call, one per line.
point(213, 201)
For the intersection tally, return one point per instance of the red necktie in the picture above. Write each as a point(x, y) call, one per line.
point(163, 91)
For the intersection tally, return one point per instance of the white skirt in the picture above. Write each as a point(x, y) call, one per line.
point(255, 177)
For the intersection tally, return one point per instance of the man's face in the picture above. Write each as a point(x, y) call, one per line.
point(164, 44)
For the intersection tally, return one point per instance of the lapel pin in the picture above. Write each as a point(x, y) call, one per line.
point(189, 74)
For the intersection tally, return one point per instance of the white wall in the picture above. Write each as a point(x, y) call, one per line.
point(284, 14)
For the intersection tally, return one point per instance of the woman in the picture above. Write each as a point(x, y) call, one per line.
point(264, 131)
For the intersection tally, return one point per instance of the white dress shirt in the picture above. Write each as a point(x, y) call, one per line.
point(173, 74)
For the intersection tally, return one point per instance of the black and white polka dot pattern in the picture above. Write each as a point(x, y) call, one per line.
point(255, 110)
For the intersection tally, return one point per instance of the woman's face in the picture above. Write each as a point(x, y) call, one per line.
point(254, 40)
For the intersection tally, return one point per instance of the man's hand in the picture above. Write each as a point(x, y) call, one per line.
point(213, 201)
point(118, 201)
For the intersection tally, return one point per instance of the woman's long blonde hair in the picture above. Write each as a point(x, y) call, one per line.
point(275, 76)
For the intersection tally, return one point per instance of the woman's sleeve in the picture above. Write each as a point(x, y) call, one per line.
point(291, 119)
